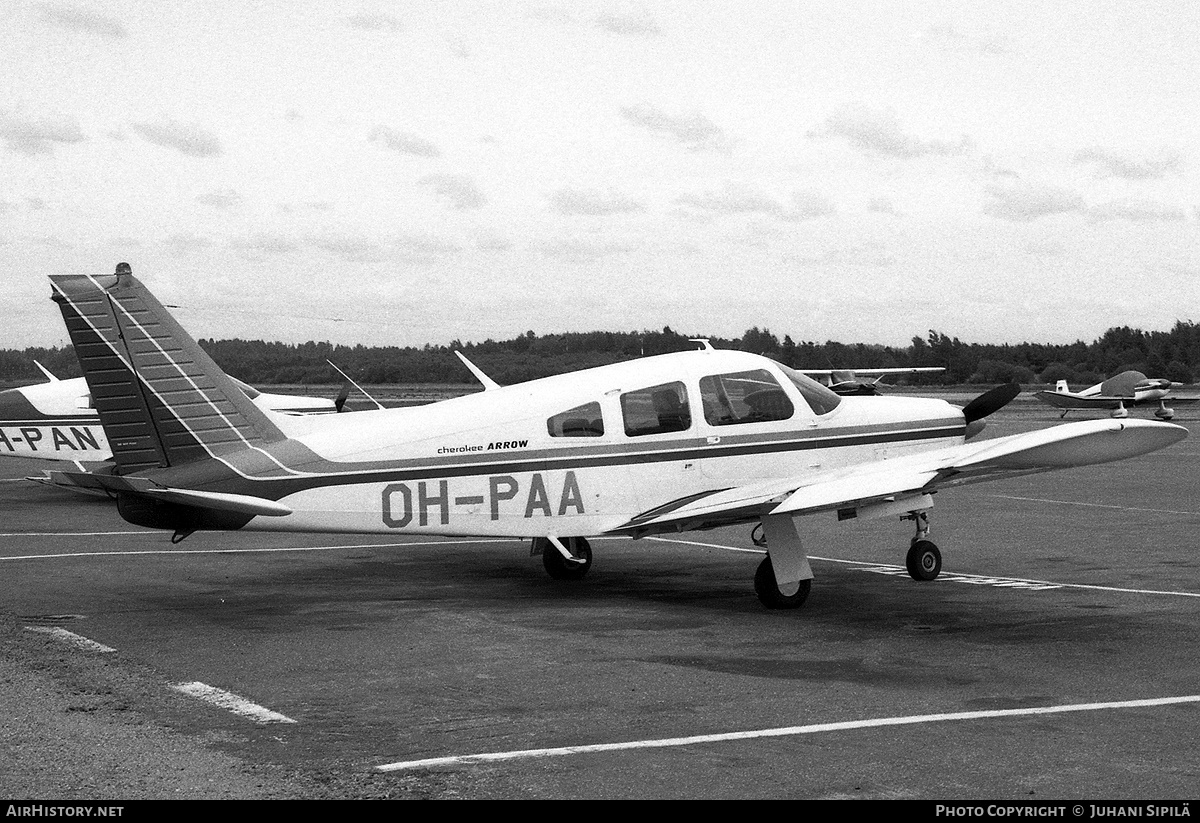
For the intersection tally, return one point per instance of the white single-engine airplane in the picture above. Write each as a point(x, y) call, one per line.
point(57, 421)
point(849, 382)
point(1129, 388)
point(691, 440)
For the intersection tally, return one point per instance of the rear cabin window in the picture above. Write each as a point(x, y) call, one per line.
point(656, 410)
point(581, 421)
point(743, 397)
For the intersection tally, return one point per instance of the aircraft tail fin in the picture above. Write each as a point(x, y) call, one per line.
point(161, 399)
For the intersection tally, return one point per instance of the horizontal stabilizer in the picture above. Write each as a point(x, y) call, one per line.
point(221, 501)
point(109, 484)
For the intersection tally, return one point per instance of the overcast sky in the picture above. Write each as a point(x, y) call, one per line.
point(416, 172)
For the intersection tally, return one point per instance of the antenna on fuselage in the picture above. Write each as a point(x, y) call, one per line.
point(49, 374)
point(488, 383)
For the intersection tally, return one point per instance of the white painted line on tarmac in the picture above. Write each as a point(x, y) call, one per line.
point(1005, 582)
point(251, 551)
point(709, 545)
point(786, 731)
point(77, 640)
point(230, 701)
point(1026, 584)
point(1090, 505)
point(972, 579)
point(78, 534)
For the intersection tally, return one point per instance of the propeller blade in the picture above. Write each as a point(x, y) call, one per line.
point(990, 401)
point(340, 402)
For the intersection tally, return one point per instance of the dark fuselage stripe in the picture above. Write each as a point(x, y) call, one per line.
point(336, 474)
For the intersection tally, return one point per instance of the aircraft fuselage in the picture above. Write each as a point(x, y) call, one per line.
point(530, 459)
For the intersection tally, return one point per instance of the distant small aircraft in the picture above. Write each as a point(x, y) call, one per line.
point(57, 421)
point(848, 382)
point(676, 442)
point(1129, 388)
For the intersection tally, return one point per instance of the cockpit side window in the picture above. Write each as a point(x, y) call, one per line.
point(656, 410)
point(743, 397)
point(581, 421)
point(821, 399)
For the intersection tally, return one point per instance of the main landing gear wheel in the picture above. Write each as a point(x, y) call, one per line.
point(924, 560)
point(768, 590)
point(559, 567)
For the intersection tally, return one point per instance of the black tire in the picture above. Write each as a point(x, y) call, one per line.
point(558, 566)
point(924, 561)
point(768, 590)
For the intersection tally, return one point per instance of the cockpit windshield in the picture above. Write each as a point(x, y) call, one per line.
point(821, 399)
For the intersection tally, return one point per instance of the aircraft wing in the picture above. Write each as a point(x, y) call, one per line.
point(872, 372)
point(903, 483)
point(1061, 400)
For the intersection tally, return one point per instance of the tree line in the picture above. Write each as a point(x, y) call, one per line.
point(1173, 354)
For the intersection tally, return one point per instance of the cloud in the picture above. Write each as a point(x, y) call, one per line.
point(696, 132)
point(808, 205)
point(881, 205)
point(188, 138)
point(458, 190)
point(404, 142)
point(258, 245)
point(1112, 164)
point(1045, 247)
point(38, 135)
point(635, 23)
point(351, 249)
point(374, 22)
point(734, 199)
point(582, 251)
point(871, 255)
point(68, 17)
point(1135, 211)
point(426, 245)
point(1028, 203)
point(950, 39)
point(184, 242)
point(493, 244)
point(592, 203)
point(223, 200)
point(879, 132)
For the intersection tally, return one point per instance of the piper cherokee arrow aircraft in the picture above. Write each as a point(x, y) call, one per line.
point(848, 382)
point(57, 421)
point(1129, 388)
point(690, 440)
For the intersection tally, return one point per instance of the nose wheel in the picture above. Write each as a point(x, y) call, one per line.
point(924, 561)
